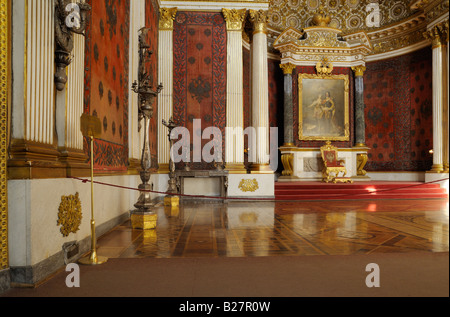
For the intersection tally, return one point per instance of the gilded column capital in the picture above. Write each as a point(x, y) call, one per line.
point(359, 70)
point(438, 34)
point(259, 20)
point(166, 17)
point(234, 18)
point(287, 68)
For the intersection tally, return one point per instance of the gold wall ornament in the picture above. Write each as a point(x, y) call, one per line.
point(248, 185)
point(359, 70)
point(324, 67)
point(69, 214)
point(259, 20)
point(287, 68)
point(5, 19)
point(361, 160)
point(288, 164)
point(234, 18)
point(166, 17)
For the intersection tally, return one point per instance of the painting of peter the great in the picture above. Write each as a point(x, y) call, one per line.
point(323, 107)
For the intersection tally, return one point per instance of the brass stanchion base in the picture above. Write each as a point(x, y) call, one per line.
point(93, 259)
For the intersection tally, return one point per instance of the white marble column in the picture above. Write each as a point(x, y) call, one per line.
point(165, 76)
point(440, 150)
point(234, 140)
point(260, 91)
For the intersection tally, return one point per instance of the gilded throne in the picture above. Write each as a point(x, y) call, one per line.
point(333, 166)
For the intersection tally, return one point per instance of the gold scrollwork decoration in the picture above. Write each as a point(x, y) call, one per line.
point(259, 20)
point(361, 160)
point(234, 18)
point(288, 164)
point(287, 68)
point(69, 215)
point(248, 185)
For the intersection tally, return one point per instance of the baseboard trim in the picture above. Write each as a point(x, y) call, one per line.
point(32, 276)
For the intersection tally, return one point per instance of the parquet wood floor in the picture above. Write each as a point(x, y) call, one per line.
point(245, 229)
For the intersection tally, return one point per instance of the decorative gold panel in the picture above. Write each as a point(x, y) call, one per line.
point(69, 215)
point(248, 185)
point(347, 15)
point(4, 101)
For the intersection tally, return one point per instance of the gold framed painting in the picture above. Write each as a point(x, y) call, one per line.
point(323, 107)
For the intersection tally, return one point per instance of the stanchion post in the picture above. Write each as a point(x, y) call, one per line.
point(90, 127)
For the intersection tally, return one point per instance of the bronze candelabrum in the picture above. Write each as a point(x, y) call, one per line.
point(146, 97)
point(172, 179)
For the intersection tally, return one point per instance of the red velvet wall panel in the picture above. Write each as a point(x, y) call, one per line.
point(106, 81)
point(398, 96)
point(200, 44)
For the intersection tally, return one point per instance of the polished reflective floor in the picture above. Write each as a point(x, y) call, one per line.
point(244, 229)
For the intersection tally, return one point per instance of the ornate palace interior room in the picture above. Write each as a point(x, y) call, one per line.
point(231, 148)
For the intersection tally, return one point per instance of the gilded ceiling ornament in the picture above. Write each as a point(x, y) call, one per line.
point(259, 20)
point(234, 18)
point(69, 215)
point(248, 185)
point(166, 17)
point(321, 18)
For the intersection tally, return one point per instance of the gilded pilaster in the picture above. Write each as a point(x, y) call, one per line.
point(4, 97)
point(165, 76)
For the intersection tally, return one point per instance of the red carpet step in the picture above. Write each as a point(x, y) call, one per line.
point(358, 190)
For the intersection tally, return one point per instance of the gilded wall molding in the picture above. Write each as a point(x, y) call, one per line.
point(166, 18)
point(4, 97)
point(234, 18)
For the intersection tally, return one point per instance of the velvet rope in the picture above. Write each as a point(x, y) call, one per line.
point(248, 198)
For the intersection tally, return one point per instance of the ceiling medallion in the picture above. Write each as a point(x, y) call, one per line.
point(69, 215)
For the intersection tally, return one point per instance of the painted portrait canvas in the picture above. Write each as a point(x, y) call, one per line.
point(323, 107)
